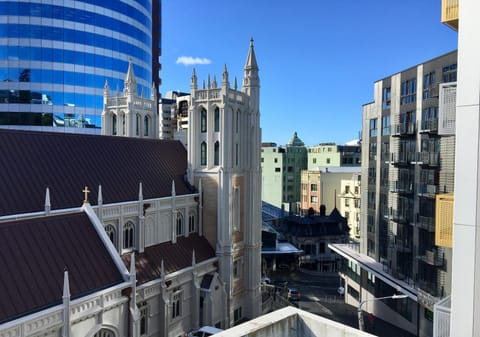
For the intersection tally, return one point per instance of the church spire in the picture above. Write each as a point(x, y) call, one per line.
point(153, 94)
point(130, 86)
point(193, 84)
point(251, 59)
point(225, 82)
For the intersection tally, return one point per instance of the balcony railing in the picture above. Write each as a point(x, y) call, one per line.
point(433, 257)
point(427, 190)
point(401, 187)
point(429, 125)
point(404, 129)
point(402, 158)
point(428, 158)
point(450, 13)
point(426, 222)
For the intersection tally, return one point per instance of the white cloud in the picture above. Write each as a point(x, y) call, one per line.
point(189, 60)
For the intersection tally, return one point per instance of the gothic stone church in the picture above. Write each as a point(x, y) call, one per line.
point(134, 236)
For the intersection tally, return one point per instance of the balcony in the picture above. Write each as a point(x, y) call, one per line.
point(402, 158)
point(430, 290)
point(404, 129)
point(427, 190)
point(429, 126)
point(403, 246)
point(433, 257)
point(401, 187)
point(401, 216)
point(426, 222)
point(450, 13)
point(428, 158)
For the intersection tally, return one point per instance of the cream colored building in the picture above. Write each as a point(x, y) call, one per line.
point(322, 186)
point(350, 203)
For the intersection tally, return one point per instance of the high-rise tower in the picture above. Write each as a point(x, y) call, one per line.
point(55, 59)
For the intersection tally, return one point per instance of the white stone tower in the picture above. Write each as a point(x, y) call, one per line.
point(130, 115)
point(224, 153)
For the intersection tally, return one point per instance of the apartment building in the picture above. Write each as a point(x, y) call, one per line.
point(408, 148)
point(281, 173)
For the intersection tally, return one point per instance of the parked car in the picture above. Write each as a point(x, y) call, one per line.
point(293, 294)
point(266, 280)
point(205, 331)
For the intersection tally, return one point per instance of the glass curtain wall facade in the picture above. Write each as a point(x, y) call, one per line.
point(56, 56)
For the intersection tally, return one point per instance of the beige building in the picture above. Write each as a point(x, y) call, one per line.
point(350, 203)
point(322, 186)
point(330, 154)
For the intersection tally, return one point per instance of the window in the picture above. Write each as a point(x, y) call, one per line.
point(203, 120)
point(179, 224)
point(236, 208)
point(373, 127)
point(428, 83)
point(314, 160)
point(347, 214)
point(347, 204)
point(137, 125)
point(191, 223)
point(275, 160)
point(128, 235)
point(237, 314)
point(313, 187)
point(313, 199)
point(236, 154)
point(217, 119)
point(386, 99)
point(216, 153)
point(111, 233)
point(347, 189)
point(114, 125)
point(328, 160)
point(123, 125)
point(203, 154)
point(143, 319)
point(450, 73)
point(176, 303)
point(237, 268)
point(386, 125)
point(408, 91)
point(146, 123)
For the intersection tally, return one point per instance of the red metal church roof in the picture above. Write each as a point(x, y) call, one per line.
point(66, 163)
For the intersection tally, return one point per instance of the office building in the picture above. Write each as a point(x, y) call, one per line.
point(56, 58)
point(281, 173)
point(330, 154)
point(408, 155)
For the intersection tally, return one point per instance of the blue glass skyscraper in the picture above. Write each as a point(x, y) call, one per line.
point(55, 57)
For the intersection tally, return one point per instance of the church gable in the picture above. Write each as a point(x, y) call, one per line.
point(66, 163)
point(37, 253)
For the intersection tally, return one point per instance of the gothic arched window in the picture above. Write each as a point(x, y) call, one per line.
point(110, 230)
point(203, 120)
point(203, 154)
point(128, 235)
point(114, 124)
point(191, 223)
point(179, 224)
point(137, 125)
point(124, 128)
point(146, 123)
point(216, 153)
point(217, 120)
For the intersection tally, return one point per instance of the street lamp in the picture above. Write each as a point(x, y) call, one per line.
point(359, 310)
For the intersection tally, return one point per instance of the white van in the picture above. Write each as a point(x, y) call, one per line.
point(205, 331)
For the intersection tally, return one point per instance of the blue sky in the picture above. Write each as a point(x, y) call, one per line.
point(318, 59)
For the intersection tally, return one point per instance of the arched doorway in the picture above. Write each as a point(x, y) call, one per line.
point(104, 333)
